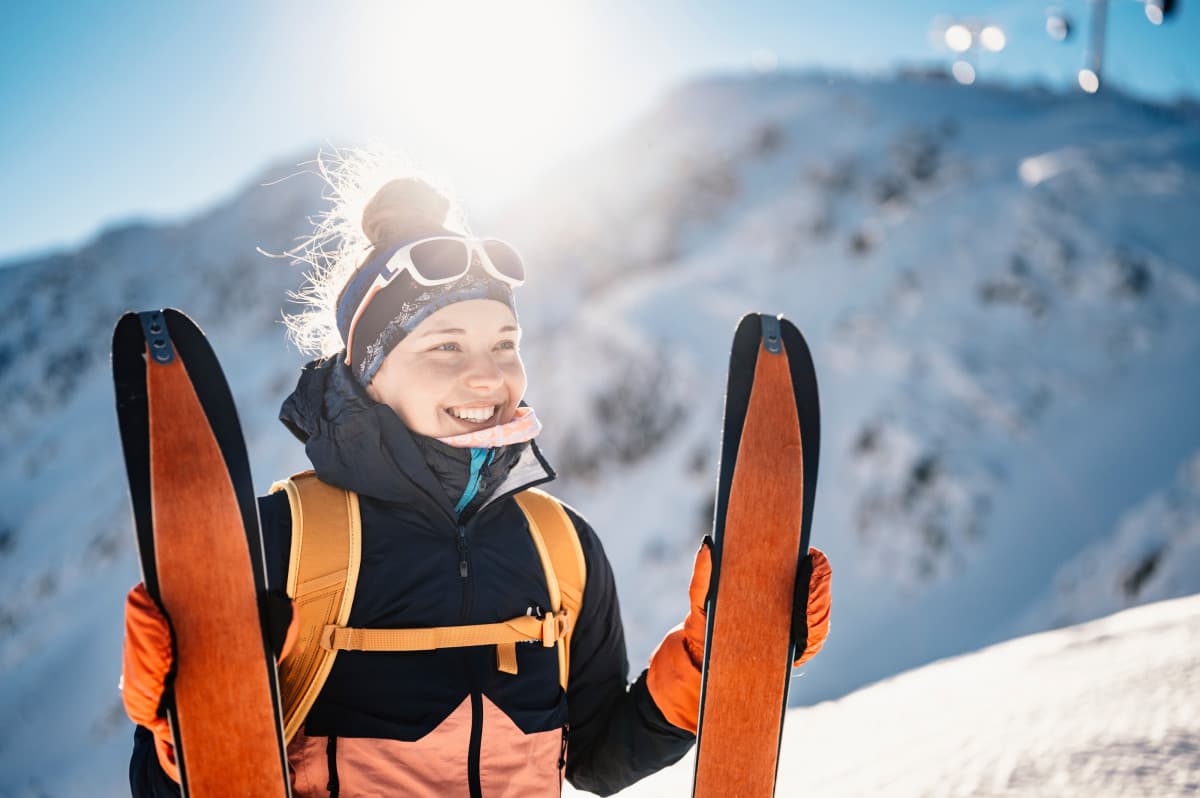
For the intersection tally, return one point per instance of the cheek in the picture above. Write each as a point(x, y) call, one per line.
point(430, 383)
point(410, 390)
point(433, 373)
point(514, 375)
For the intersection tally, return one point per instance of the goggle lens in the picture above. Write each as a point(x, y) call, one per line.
point(505, 259)
point(440, 259)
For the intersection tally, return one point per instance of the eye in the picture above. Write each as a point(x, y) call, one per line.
point(446, 347)
point(507, 345)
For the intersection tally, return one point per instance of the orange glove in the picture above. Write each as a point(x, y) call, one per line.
point(810, 610)
point(673, 678)
point(146, 665)
point(148, 661)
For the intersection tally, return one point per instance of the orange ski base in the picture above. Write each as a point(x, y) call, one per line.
point(224, 718)
point(749, 661)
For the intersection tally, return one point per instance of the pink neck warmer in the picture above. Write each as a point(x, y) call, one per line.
point(523, 427)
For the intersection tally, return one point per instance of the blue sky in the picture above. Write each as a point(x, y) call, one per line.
point(118, 110)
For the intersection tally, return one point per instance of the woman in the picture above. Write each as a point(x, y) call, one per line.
point(421, 414)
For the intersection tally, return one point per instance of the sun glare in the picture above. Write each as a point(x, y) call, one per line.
point(958, 38)
point(484, 89)
point(1089, 81)
point(993, 38)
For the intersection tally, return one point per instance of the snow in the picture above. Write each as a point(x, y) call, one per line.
point(1107, 708)
point(1153, 553)
point(1001, 293)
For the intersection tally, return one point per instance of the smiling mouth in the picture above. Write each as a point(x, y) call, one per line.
point(474, 415)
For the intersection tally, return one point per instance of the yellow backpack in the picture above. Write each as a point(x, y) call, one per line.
point(323, 574)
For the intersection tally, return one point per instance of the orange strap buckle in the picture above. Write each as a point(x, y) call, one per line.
point(554, 627)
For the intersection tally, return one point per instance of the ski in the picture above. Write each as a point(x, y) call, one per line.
point(766, 486)
point(200, 548)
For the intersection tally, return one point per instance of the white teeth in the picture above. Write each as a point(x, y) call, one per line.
point(473, 413)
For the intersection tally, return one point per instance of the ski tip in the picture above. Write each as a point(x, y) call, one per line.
point(155, 328)
point(768, 326)
point(176, 316)
point(771, 336)
point(158, 337)
point(128, 338)
point(758, 317)
point(128, 319)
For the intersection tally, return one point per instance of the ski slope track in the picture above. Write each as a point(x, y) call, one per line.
point(1002, 295)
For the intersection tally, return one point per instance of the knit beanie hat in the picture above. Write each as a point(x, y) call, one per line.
point(403, 211)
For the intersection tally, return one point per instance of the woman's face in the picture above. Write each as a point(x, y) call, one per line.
point(461, 361)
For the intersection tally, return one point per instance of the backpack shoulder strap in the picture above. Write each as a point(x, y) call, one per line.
point(557, 542)
point(322, 575)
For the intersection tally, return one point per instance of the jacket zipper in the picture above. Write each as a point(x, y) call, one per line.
point(473, 751)
point(473, 777)
point(463, 569)
point(562, 756)
point(464, 572)
point(334, 786)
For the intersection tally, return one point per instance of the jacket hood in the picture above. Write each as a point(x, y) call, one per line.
point(361, 445)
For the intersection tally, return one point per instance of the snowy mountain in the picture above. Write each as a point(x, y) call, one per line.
point(1000, 288)
point(1001, 291)
point(1108, 708)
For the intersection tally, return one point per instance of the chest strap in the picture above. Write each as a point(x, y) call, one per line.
point(504, 635)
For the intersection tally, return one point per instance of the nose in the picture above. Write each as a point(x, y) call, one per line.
point(484, 373)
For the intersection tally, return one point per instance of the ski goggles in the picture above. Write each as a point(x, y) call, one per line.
point(439, 260)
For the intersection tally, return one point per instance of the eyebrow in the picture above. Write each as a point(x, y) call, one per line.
point(461, 331)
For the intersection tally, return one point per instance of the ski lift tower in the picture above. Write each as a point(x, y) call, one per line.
point(1058, 27)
